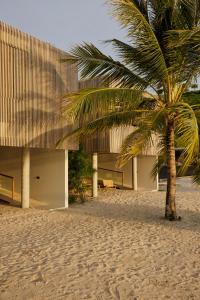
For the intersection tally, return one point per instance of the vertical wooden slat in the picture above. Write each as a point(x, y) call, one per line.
point(32, 83)
point(1, 102)
point(34, 89)
point(5, 85)
point(17, 93)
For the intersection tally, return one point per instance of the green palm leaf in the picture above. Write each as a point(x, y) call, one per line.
point(187, 131)
point(136, 142)
point(89, 102)
point(162, 55)
point(184, 53)
point(196, 172)
point(93, 63)
point(142, 35)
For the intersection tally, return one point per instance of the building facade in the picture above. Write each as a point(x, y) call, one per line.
point(137, 173)
point(33, 81)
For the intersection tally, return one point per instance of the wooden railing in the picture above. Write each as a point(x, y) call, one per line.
point(114, 171)
point(13, 182)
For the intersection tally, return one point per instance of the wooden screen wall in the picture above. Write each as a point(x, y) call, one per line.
point(33, 81)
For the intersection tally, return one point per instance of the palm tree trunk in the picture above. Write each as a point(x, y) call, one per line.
point(170, 210)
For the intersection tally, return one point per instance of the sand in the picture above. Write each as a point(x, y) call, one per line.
point(116, 247)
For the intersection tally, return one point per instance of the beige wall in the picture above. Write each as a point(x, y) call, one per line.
point(145, 181)
point(108, 161)
point(144, 167)
point(50, 189)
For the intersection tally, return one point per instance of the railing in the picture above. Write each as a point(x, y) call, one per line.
point(13, 184)
point(111, 174)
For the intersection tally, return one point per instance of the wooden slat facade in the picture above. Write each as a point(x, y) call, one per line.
point(33, 81)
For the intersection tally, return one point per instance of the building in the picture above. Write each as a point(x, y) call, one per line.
point(105, 148)
point(33, 81)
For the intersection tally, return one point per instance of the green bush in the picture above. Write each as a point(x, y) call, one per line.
point(72, 199)
point(80, 167)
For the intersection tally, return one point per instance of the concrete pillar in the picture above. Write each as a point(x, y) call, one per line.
point(157, 178)
point(66, 180)
point(25, 184)
point(135, 174)
point(95, 175)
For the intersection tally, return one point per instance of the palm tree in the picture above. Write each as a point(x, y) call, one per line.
point(146, 85)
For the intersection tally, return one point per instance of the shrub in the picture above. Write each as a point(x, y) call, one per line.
point(80, 167)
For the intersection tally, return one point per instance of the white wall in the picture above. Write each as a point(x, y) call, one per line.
point(48, 179)
point(50, 166)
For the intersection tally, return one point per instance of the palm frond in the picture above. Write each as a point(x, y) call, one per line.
point(161, 154)
point(196, 172)
point(187, 131)
point(136, 142)
point(112, 120)
point(159, 163)
point(183, 52)
point(188, 12)
point(173, 14)
point(142, 35)
point(106, 122)
point(93, 63)
point(136, 61)
point(95, 102)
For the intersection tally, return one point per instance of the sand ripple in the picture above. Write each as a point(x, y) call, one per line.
point(116, 247)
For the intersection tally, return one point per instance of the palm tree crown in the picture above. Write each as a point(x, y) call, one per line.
point(146, 86)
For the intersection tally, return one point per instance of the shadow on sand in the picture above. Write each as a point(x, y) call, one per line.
point(137, 213)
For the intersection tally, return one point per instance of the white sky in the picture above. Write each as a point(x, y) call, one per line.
point(63, 23)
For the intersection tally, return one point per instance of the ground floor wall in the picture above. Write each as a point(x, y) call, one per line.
point(107, 167)
point(146, 182)
point(136, 173)
point(48, 176)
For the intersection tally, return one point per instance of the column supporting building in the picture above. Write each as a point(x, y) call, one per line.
point(135, 174)
point(95, 175)
point(25, 182)
point(66, 179)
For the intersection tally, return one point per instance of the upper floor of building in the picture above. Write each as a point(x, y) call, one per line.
point(33, 80)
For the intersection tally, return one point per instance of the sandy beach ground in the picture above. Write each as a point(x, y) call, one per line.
point(116, 247)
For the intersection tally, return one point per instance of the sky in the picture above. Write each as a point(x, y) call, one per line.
point(63, 23)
